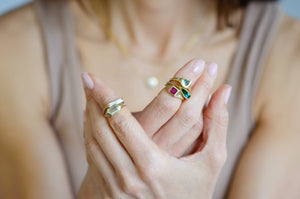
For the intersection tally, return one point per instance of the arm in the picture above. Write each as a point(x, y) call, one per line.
point(269, 166)
point(31, 161)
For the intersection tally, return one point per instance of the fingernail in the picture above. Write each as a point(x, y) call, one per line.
point(212, 69)
point(208, 100)
point(227, 95)
point(87, 81)
point(198, 65)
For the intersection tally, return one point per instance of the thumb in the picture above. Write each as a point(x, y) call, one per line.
point(215, 123)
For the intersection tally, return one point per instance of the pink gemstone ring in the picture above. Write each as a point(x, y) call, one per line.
point(182, 90)
point(174, 90)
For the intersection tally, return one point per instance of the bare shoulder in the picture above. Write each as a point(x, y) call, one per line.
point(23, 79)
point(27, 141)
point(279, 92)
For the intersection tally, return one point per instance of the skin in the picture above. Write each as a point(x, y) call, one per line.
point(269, 160)
point(139, 168)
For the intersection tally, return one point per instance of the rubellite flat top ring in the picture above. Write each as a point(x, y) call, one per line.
point(178, 91)
point(174, 90)
point(114, 107)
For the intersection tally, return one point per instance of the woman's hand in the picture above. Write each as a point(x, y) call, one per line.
point(131, 165)
point(174, 126)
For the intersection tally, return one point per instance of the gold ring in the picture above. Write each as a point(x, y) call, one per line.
point(185, 83)
point(114, 107)
point(177, 91)
point(174, 90)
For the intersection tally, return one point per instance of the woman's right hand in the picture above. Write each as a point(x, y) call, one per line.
point(175, 125)
point(214, 117)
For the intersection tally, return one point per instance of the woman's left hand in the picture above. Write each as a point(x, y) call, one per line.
point(132, 166)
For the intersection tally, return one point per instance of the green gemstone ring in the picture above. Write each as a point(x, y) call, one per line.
point(178, 91)
point(185, 83)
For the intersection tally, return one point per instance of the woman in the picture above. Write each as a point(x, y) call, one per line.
point(124, 44)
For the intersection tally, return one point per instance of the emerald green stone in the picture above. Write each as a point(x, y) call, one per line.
point(185, 93)
point(185, 83)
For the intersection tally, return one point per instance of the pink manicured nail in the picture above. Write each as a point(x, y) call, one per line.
point(212, 69)
point(227, 95)
point(208, 100)
point(198, 65)
point(87, 81)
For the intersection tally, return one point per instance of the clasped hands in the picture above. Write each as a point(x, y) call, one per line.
point(172, 149)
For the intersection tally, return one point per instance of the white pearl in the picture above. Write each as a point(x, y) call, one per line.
point(152, 82)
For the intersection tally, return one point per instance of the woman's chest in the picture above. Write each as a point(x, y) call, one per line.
point(129, 76)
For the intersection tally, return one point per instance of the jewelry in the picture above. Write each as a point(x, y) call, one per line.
point(185, 83)
point(178, 91)
point(174, 91)
point(114, 107)
point(150, 81)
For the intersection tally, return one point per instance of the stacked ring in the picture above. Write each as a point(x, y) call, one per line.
point(181, 90)
point(114, 107)
point(174, 90)
point(185, 83)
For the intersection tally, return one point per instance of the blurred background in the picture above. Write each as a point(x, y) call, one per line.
point(292, 7)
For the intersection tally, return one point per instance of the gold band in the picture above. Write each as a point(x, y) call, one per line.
point(174, 90)
point(185, 83)
point(114, 107)
point(178, 91)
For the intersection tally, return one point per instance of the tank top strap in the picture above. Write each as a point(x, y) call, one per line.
point(65, 84)
point(62, 59)
point(259, 27)
point(260, 23)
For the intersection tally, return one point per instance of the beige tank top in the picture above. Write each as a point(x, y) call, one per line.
point(259, 27)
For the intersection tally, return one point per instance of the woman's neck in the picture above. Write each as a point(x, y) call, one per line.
point(156, 28)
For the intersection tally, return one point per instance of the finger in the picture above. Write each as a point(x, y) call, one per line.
point(98, 186)
point(106, 139)
point(181, 146)
point(100, 172)
point(164, 106)
point(98, 180)
point(126, 128)
point(215, 118)
point(189, 113)
point(103, 166)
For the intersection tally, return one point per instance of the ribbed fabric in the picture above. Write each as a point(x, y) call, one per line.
point(259, 27)
point(258, 30)
point(66, 87)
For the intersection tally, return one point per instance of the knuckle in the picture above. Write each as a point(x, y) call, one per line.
point(131, 187)
point(205, 84)
point(198, 127)
point(99, 133)
point(219, 118)
point(121, 125)
point(150, 175)
point(188, 117)
point(166, 106)
point(152, 172)
point(90, 144)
